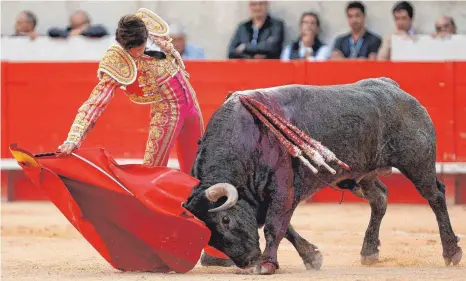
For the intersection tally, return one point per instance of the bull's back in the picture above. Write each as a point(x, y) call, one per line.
point(375, 99)
point(353, 120)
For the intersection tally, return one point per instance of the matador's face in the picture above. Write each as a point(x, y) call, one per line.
point(137, 52)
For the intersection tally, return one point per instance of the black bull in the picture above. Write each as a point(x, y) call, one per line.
point(247, 180)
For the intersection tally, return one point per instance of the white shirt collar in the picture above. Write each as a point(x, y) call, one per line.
point(302, 49)
point(151, 46)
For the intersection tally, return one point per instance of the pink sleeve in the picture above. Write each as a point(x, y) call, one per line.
point(91, 110)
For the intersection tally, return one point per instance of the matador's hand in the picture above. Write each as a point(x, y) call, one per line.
point(66, 149)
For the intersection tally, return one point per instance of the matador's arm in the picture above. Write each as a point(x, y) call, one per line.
point(91, 110)
point(165, 43)
point(158, 32)
point(116, 68)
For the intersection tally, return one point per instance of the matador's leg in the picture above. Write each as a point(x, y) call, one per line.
point(187, 143)
point(165, 126)
point(192, 129)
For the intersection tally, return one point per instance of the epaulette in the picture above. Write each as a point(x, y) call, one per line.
point(119, 65)
point(155, 24)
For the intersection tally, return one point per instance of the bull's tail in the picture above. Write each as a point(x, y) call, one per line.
point(300, 141)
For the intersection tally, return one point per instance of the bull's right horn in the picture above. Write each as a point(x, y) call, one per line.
point(219, 190)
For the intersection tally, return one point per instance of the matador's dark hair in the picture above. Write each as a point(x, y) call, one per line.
point(131, 32)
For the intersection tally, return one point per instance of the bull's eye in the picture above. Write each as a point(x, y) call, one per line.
point(225, 220)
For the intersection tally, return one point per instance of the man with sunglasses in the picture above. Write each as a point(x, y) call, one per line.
point(444, 27)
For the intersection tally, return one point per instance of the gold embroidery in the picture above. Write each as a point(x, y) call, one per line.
point(154, 69)
point(174, 118)
point(142, 80)
point(164, 119)
point(151, 147)
point(119, 65)
point(152, 74)
point(144, 99)
point(73, 139)
point(155, 24)
point(91, 110)
point(149, 89)
point(81, 122)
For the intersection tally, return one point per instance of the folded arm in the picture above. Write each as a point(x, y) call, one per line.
point(272, 46)
point(234, 43)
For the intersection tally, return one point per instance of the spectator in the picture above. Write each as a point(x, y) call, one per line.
point(26, 24)
point(187, 51)
point(360, 42)
point(308, 46)
point(444, 26)
point(80, 24)
point(403, 13)
point(259, 38)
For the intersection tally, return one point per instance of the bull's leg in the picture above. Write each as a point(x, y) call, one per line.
point(416, 158)
point(274, 231)
point(311, 256)
point(278, 216)
point(434, 191)
point(376, 192)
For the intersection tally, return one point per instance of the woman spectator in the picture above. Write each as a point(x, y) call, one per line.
point(308, 46)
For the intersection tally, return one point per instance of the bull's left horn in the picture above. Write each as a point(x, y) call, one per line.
point(219, 190)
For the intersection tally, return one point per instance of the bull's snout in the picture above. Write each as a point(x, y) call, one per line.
point(249, 261)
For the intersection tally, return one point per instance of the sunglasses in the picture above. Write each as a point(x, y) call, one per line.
point(442, 27)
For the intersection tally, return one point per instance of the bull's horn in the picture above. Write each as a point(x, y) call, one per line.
point(218, 190)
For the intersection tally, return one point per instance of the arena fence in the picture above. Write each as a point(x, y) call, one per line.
point(40, 99)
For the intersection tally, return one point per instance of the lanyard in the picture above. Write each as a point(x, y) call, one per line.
point(255, 35)
point(354, 49)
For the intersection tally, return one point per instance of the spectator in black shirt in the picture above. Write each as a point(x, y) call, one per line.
point(259, 38)
point(359, 43)
point(80, 24)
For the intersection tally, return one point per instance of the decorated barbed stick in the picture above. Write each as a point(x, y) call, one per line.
point(306, 148)
point(293, 150)
point(281, 122)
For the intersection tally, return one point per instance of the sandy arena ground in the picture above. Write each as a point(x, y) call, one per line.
point(38, 243)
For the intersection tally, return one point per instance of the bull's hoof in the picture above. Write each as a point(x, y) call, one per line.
point(370, 259)
point(208, 260)
point(455, 258)
point(316, 262)
point(266, 268)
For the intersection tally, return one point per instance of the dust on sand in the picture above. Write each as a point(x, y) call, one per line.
point(38, 243)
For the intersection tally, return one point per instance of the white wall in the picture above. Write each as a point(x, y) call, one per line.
point(210, 24)
point(423, 48)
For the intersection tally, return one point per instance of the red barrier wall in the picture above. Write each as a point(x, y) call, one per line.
point(460, 110)
point(39, 100)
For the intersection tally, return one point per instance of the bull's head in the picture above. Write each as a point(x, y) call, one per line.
point(231, 220)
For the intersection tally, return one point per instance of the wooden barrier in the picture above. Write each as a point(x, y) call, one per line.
point(39, 100)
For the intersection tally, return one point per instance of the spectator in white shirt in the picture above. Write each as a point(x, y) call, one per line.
point(308, 46)
point(403, 14)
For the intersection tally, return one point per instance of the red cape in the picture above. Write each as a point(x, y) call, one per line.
point(131, 214)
